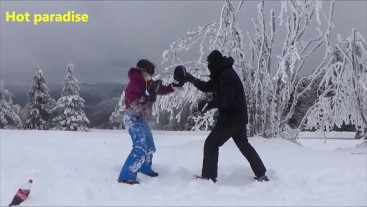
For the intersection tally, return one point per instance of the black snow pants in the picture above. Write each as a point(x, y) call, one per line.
point(217, 137)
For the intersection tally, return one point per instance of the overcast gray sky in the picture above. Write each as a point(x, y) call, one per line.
point(118, 34)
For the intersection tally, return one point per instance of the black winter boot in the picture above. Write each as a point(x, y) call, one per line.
point(152, 174)
point(130, 182)
point(262, 178)
point(203, 178)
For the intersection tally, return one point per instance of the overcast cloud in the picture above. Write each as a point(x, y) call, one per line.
point(118, 34)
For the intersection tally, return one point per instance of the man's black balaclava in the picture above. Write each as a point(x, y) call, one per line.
point(214, 59)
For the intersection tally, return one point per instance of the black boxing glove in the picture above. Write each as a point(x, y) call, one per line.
point(153, 89)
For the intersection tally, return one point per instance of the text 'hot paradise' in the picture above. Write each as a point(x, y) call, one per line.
point(69, 17)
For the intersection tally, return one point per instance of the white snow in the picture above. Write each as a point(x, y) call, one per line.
point(81, 169)
point(328, 135)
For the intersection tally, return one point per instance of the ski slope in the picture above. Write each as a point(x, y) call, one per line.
point(81, 169)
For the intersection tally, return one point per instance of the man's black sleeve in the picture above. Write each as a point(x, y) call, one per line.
point(203, 85)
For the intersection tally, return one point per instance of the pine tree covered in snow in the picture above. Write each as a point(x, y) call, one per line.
point(68, 114)
point(9, 117)
point(39, 104)
point(116, 116)
point(343, 98)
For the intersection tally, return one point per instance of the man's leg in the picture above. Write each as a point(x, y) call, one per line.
point(137, 155)
point(217, 137)
point(240, 138)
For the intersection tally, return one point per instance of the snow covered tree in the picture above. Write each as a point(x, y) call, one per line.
point(117, 115)
point(257, 75)
point(68, 114)
point(344, 96)
point(39, 104)
point(294, 55)
point(9, 117)
point(223, 35)
point(273, 99)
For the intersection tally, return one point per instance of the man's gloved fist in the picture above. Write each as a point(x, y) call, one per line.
point(153, 90)
point(203, 106)
point(181, 76)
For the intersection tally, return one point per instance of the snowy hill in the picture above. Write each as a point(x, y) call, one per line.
point(81, 169)
point(91, 93)
point(99, 114)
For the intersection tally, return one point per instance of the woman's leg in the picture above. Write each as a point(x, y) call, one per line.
point(136, 158)
point(146, 168)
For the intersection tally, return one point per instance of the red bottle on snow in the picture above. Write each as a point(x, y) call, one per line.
point(21, 194)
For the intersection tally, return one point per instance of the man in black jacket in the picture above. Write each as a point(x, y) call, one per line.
point(229, 98)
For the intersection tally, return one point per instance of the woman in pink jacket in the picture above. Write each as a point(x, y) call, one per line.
point(140, 94)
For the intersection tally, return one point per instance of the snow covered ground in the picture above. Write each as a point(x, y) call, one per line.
point(328, 135)
point(81, 169)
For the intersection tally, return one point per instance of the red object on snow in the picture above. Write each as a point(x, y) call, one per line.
point(22, 193)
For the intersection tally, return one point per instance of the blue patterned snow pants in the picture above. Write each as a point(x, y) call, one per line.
point(140, 157)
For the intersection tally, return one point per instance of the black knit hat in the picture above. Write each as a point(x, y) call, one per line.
point(215, 57)
point(146, 65)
